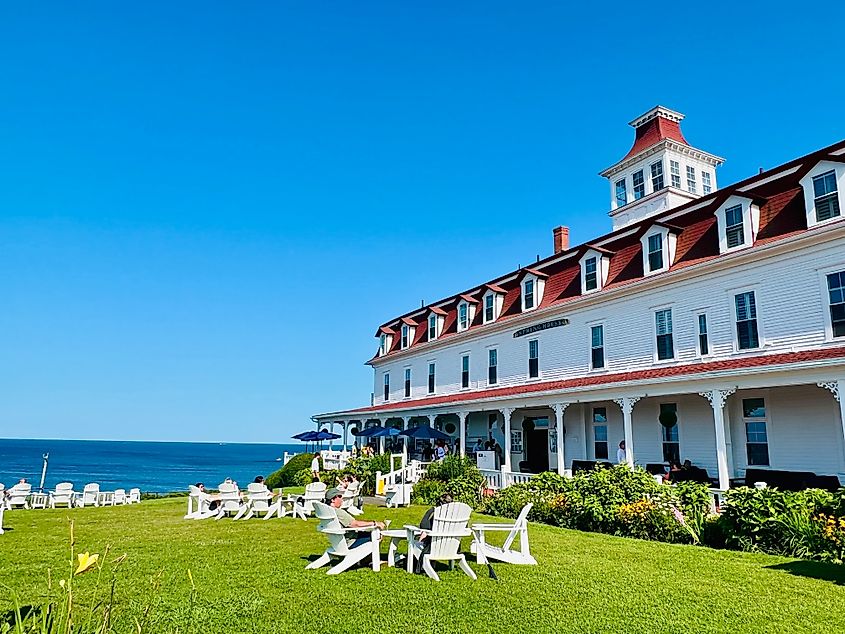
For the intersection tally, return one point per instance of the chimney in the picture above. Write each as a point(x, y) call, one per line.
point(561, 239)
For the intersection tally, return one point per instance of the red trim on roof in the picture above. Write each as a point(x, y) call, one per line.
point(495, 288)
point(469, 299)
point(534, 272)
point(438, 311)
point(621, 377)
point(409, 322)
point(653, 132)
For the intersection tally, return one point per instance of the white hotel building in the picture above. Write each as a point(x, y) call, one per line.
point(723, 305)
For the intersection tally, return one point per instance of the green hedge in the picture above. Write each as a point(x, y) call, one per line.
point(454, 475)
point(290, 474)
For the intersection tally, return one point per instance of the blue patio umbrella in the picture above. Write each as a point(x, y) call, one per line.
point(425, 432)
point(369, 431)
point(385, 432)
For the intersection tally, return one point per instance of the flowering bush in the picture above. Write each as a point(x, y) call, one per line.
point(832, 546)
point(454, 475)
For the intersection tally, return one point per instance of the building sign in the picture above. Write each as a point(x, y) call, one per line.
point(555, 323)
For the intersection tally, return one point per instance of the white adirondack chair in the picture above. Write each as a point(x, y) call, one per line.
point(2, 510)
point(349, 496)
point(63, 495)
point(90, 495)
point(2, 496)
point(198, 504)
point(134, 496)
point(19, 496)
point(119, 497)
point(230, 500)
point(484, 551)
point(448, 527)
point(314, 492)
point(331, 527)
point(258, 498)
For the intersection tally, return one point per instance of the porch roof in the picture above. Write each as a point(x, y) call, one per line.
point(598, 380)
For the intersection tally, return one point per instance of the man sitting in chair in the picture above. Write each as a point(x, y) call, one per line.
point(334, 498)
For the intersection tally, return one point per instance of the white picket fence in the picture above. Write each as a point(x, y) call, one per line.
point(499, 479)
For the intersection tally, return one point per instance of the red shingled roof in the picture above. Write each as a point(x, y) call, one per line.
point(654, 131)
point(599, 380)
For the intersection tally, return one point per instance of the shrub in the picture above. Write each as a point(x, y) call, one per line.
point(289, 474)
point(454, 475)
point(427, 492)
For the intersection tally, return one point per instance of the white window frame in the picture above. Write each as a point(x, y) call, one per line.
point(594, 424)
point(677, 405)
point(641, 172)
point(407, 382)
point(654, 311)
point(731, 298)
point(495, 350)
point(436, 318)
point(404, 336)
point(535, 340)
point(602, 268)
point(709, 333)
point(465, 326)
point(590, 325)
point(766, 396)
point(750, 223)
point(706, 182)
point(461, 371)
point(431, 389)
point(382, 344)
point(809, 194)
point(624, 182)
point(668, 243)
point(675, 177)
point(692, 185)
point(652, 176)
point(828, 321)
point(385, 383)
point(495, 299)
point(535, 287)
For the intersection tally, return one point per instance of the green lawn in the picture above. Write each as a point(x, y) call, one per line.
point(251, 577)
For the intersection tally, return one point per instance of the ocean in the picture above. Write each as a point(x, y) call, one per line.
point(157, 467)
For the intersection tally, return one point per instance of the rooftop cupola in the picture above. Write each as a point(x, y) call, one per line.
point(660, 171)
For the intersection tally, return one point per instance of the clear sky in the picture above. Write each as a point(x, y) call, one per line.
point(206, 209)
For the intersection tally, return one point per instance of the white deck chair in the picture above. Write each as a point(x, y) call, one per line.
point(2, 510)
point(90, 495)
point(350, 495)
point(484, 551)
point(331, 527)
point(230, 500)
point(448, 527)
point(2, 496)
point(314, 492)
point(63, 495)
point(198, 503)
point(134, 496)
point(19, 496)
point(119, 497)
point(258, 498)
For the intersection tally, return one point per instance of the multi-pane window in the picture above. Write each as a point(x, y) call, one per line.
point(591, 280)
point(703, 336)
point(691, 179)
point(406, 330)
point(533, 359)
point(432, 369)
point(746, 321)
point(639, 185)
point(734, 232)
point(432, 327)
point(600, 433)
point(706, 183)
point(465, 371)
point(826, 196)
point(387, 386)
point(492, 366)
point(669, 434)
point(382, 345)
point(836, 293)
point(621, 193)
point(597, 346)
point(657, 176)
point(663, 327)
point(407, 382)
point(756, 436)
point(463, 316)
point(655, 252)
point(528, 296)
point(489, 303)
point(675, 173)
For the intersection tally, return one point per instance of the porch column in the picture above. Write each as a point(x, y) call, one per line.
point(506, 413)
point(717, 400)
point(837, 388)
point(331, 431)
point(627, 405)
point(345, 424)
point(462, 429)
point(559, 409)
point(406, 420)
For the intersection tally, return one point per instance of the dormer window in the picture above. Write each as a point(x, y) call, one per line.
point(655, 252)
point(590, 274)
point(489, 308)
point(657, 176)
point(639, 184)
point(738, 219)
point(382, 345)
point(823, 187)
point(528, 294)
point(826, 196)
point(621, 193)
point(658, 248)
point(406, 336)
point(432, 327)
point(463, 316)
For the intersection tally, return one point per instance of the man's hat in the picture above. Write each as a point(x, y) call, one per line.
point(333, 493)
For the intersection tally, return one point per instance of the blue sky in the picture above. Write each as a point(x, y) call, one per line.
point(206, 210)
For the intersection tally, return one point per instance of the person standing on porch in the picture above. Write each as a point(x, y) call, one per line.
point(620, 453)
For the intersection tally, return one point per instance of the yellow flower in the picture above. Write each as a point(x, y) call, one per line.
point(86, 561)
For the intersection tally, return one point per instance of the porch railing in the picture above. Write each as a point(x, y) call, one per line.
point(499, 479)
point(409, 473)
